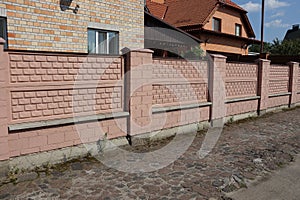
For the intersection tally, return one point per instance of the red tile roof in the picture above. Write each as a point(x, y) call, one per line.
point(232, 4)
point(157, 9)
point(187, 12)
point(183, 13)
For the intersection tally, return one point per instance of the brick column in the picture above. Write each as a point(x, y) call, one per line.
point(293, 87)
point(4, 102)
point(263, 85)
point(138, 90)
point(217, 92)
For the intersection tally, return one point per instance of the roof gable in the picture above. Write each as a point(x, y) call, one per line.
point(185, 13)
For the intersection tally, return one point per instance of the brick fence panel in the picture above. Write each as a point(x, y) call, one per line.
point(43, 85)
point(241, 80)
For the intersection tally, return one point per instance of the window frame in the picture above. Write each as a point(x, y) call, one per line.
point(5, 34)
point(107, 33)
point(240, 27)
point(220, 24)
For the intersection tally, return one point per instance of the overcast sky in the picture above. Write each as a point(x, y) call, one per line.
point(280, 15)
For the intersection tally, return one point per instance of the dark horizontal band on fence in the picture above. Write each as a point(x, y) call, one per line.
point(180, 107)
point(279, 95)
point(242, 99)
point(73, 120)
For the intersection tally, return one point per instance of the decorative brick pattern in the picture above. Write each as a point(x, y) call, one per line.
point(179, 80)
point(279, 71)
point(41, 25)
point(179, 93)
point(44, 85)
point(241, 89)
point(278, 86)
point(57, 103)
point(241, 70)
point(169, 69)
point(241, 80)
point(279, 79)
point(53, 68)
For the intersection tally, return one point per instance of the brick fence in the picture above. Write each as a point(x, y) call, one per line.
point(50, 101)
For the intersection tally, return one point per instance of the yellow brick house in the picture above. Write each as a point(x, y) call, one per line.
point(78, 26)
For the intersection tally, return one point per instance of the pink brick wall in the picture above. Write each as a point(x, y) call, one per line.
point(241, 107)
point(241, 80)
point(32, 68)
point(278, 101)
point(279, 79)
point(298, 86)
point(179, 80)
point(176, 93)
point(178, 118)
point(59, 137)
point(60, 103)
point(42, 85)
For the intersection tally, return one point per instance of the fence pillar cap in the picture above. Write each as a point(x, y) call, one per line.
point(262, 60)
point(292, 63)
point(142, 50)
point(2, 41)
point(218, 56)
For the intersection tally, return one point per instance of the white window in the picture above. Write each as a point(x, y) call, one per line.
point(238, 30)
point(3, 30)
point(103, 42)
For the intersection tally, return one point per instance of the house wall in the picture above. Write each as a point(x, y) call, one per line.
point(222, 44)
point(41, 25)
point(228, 20)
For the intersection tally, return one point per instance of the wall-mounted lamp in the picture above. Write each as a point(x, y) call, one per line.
point(244, 46)
point(65, 5)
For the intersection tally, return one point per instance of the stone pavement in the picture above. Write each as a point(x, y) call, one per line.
point(284, 184)
point(245, 151)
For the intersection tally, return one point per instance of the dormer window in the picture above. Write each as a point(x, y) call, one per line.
point(216, 24)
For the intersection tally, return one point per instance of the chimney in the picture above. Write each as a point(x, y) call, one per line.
point(296, 27)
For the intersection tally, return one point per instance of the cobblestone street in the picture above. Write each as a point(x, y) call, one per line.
point(245, 151)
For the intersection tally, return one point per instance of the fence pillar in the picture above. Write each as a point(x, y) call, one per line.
point(217, 91)
point(4, 102)
point(138, 92)
point(293, 86)
point(263, 85)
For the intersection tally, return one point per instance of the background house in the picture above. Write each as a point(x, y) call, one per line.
point(222, 25)
point(72, 26)
point(293, 34)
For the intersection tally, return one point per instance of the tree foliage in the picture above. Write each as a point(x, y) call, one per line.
point(279, 47)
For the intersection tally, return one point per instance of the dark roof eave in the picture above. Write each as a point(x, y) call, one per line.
point(176, 28)
point(226, 35)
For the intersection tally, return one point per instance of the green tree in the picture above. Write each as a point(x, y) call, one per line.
point(285, 47)
point(279, 47)
point(256, 47)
